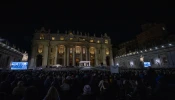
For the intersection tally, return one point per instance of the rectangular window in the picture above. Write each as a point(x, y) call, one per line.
point(53, 38)
point(91, 40)
point(98, 41)
point(106, 41)
point(70, 50)
point(61, 38)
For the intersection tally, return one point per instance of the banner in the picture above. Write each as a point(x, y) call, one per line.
point(19, 65)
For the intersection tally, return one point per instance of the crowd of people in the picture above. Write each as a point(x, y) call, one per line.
point(87, 85)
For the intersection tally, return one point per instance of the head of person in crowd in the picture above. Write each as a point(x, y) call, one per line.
point(87, 89)
point(52, 94)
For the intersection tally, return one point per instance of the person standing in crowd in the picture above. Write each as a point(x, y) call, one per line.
point(19, 90)
point(52, 94)
point(87, 94)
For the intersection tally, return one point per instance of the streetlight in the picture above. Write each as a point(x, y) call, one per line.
point(131, 63)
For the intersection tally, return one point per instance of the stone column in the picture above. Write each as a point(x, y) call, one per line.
point(103, 56)
point(65, 55)
point(81, 54)
point(96, 61)
point(56, 53)
point(68, 56)
point(111, 57)
point(86, 54)
point(9, 62)
point(74, 56)
point(33, 58)
point(45, 55)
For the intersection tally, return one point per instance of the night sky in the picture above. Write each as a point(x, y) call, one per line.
point(120, 20)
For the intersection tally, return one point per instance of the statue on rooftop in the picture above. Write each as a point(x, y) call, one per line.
point(105, 34)
point(58, 31)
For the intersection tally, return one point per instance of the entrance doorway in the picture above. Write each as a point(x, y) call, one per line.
point(70, 62)
point(60, 61)
point(107, 61)
point(92, 61)
point(77, 60)
point(39, 59)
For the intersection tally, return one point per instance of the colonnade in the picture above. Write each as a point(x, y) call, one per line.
point(6, 59)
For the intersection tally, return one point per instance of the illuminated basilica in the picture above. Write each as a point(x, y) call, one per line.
point(69, 49)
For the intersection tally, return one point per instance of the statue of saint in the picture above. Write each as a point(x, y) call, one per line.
point(25, 56)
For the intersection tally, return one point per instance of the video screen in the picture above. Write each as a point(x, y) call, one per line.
point(147, 64)
point(19, 65)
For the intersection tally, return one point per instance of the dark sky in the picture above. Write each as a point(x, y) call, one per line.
point(121, 20)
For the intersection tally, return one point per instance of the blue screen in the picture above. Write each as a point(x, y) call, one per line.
point(147, 64)
point(19, 65)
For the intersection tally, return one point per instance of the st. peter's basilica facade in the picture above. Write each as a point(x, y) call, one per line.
point(69, 49)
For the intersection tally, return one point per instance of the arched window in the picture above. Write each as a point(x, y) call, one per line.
point(61, 49)
point(41, 36)
point(71, 38)
point(107, 51)
point(71, 50)
point(62, 38)
point(92, 50)
point(78, 49)
point(40, 48)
